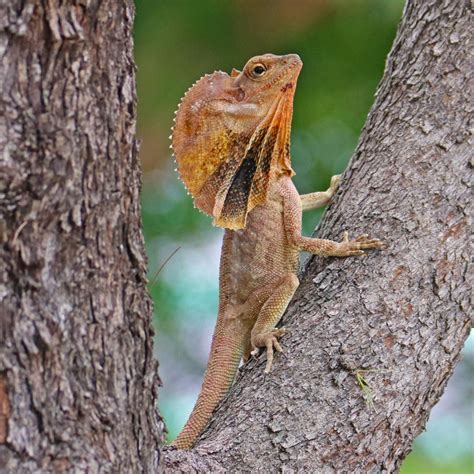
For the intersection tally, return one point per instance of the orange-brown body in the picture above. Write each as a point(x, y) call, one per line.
point(231, 142)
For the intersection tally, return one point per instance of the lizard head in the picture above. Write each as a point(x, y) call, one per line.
point(266, 78)
point(232, 134)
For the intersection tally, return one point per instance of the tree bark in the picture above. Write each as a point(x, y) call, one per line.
point(396, 319)
point(77, 376)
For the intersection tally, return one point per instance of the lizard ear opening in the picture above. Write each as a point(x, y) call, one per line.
point(235, 72)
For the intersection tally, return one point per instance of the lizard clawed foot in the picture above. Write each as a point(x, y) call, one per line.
point(333, 187)
point(356, 247)
point(270, 341)
point(335, 181)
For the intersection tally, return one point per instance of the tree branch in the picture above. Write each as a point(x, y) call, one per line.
point(389, 326)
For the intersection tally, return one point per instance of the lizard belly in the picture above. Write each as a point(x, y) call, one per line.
point(260, 253)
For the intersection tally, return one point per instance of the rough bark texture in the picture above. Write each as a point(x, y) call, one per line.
point(398, 318)
point(77, 377)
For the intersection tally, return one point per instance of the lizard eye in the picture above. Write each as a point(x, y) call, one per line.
point(259, 70)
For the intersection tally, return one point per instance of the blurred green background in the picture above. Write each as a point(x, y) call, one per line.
point(343, 45)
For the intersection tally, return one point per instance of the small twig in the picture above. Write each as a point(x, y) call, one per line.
point(170, 256)
point(17, 233)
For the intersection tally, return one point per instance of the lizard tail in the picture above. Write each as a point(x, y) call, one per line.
point(226, 352)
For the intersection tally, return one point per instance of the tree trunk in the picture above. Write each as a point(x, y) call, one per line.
point(395, 320)
point(77, 375)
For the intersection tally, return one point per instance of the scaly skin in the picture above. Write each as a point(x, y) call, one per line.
point(231, 143)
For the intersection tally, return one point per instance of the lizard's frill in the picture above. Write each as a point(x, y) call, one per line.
point(225, 164)
point(200, 140)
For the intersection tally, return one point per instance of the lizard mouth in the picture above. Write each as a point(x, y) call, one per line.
point(290, 71)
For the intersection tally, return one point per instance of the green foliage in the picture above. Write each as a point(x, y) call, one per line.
point(418, 463)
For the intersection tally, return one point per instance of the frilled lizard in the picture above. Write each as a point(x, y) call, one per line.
point(231, 141)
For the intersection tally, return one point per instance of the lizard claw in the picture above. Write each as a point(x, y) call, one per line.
point(255, 352)
point(333, 186)
point(356, 247)
point(335, 182)
point(269, 340)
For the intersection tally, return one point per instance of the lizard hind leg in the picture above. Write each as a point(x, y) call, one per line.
point(264, 333)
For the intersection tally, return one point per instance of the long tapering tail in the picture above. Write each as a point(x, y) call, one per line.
point(224, 358)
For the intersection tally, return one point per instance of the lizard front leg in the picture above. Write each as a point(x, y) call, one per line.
point(330, 248)
point(292, 210)
point(322, 198)
point(264, 333)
